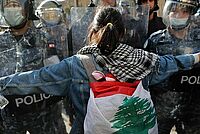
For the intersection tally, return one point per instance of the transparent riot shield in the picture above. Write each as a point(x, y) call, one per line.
point(136, 24)
point(57, 40)
point(81, 17)
point(135, 20)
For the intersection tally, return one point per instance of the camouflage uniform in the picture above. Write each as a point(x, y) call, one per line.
point(133, 35)
point(36, 113)
point(180, 108)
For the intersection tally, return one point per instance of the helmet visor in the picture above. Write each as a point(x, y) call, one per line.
point(51, 16)
point(177, 14)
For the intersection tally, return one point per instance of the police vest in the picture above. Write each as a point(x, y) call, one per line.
point(21, 104)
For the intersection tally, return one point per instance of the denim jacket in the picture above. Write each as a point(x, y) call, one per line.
point(70, 78)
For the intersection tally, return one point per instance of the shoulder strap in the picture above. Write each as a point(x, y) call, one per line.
point(89, 65)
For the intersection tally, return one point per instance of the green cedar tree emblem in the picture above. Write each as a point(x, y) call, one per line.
point(134, 116)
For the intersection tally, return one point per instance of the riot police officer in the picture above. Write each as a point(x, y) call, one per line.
point(56, 30)
point(51, 15)
point(23, 48)
point(178, 103)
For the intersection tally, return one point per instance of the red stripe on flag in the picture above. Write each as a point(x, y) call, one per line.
point(108, 88)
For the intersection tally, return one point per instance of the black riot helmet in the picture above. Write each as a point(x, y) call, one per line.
point(17, 12)
point(178, 13)
point(50, 12)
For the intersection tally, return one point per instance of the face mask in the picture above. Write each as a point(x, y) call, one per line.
point(13, 16)
point(178, 23)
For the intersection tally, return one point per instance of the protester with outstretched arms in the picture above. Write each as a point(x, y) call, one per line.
point(125, 63)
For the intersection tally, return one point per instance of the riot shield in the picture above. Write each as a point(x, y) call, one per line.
point(57, 40)
point(81, 17)
point(135, 20)
point(136, 25)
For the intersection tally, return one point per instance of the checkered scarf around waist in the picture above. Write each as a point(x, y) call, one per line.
point(125, 62)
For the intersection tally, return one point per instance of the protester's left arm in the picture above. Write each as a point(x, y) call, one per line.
point(52, 80)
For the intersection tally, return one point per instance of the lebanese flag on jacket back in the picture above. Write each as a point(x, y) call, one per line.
point(118, 107)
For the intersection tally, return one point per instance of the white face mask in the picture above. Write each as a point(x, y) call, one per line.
point(13, 16)
point(178, 23)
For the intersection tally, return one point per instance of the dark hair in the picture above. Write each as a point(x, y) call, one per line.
point(108, 28)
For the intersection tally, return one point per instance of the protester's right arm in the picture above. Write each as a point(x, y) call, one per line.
point(54, 80)
point(169, 65)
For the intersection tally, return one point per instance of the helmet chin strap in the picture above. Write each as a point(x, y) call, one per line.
point(20, 26)
point(178, 28)
point(20, 30)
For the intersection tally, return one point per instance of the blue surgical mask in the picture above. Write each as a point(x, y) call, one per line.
point(178, 23)
point(13, 16)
